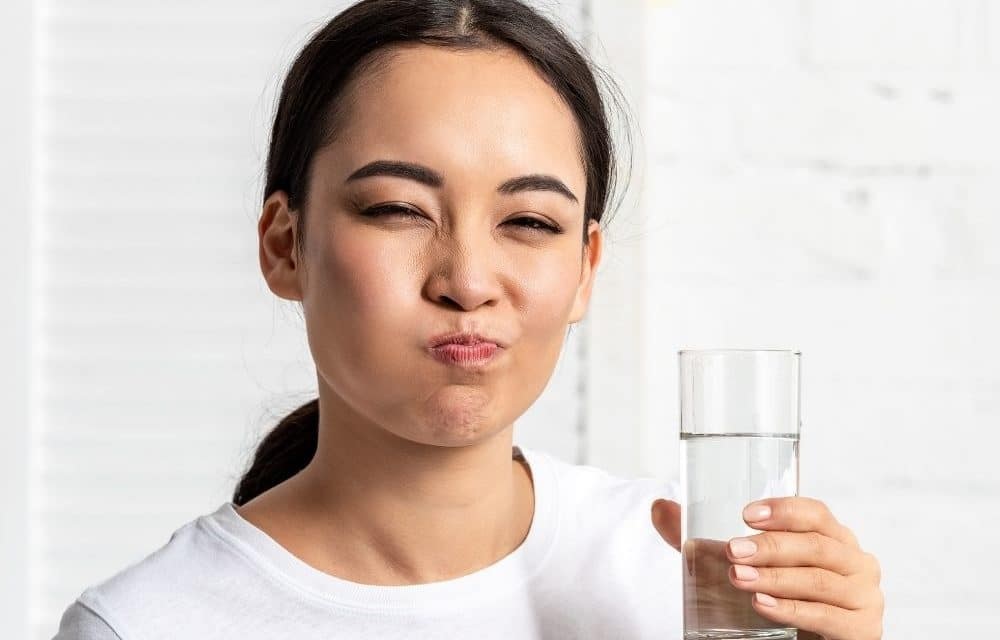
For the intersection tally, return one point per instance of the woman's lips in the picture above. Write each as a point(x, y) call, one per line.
point(468, 356)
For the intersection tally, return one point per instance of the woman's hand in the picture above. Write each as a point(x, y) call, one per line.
point(806, 570)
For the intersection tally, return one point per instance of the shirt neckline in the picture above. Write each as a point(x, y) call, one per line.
point(509, 573)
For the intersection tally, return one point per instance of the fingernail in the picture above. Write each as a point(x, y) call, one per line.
point(745, 573)
point(756, 511)
point(742, 548)
point(766, 600)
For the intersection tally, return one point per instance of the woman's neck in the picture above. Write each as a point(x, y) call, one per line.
point(376, 509)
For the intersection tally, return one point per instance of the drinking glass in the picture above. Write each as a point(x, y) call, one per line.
point(739, 436)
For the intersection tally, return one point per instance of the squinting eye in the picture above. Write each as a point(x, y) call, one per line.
point(536, 225)
point(388, 209)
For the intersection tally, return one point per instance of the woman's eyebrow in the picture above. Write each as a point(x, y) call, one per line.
point(431, 178)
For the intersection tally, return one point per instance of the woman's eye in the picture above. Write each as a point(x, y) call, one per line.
point(388, 209)
point(535, 224)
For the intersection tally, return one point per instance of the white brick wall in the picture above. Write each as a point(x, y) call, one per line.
point(823, 175)
point(725, 33)
point(991, 31)
point(917, 34)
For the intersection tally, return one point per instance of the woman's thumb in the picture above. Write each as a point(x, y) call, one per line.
point(666, 515)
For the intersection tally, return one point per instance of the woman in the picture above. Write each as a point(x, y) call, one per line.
point(436, 178)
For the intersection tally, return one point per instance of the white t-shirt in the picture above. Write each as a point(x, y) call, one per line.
point(591, 566)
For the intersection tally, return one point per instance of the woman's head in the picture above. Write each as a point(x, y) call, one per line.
point(476, 134)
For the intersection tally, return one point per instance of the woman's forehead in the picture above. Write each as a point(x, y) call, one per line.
point(475, 110)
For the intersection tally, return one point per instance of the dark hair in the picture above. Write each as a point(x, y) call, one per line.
point(312, 106)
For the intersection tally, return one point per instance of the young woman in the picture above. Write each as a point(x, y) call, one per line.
point(436, 178)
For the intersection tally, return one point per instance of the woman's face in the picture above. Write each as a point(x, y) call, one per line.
point(459, 256)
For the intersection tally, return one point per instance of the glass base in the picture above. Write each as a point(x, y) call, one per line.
point(742, 634)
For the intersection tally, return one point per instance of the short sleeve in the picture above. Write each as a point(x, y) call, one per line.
point(79, 622)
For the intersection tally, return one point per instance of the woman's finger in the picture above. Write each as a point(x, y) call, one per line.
point(788, 549)
point(797, 513)
point(827, 620)
point(803, 583)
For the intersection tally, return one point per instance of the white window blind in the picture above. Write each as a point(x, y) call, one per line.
point(161, 355)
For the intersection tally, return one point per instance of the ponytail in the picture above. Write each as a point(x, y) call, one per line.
point(283, 452)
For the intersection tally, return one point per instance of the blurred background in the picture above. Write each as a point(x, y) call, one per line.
point(811, 174)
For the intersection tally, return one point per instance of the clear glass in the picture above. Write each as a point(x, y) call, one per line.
point(739, 443)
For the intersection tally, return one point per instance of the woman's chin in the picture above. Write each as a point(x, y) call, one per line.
point(457, 428)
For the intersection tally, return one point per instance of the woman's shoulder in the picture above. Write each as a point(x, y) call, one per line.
point(608, 547)
point(590, 483)
point(602, 506)
point(181, 568)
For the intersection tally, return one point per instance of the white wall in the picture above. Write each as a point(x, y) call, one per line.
point(823, 175)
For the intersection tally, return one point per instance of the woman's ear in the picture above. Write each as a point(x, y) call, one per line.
point(278, 247)
point(591, 259)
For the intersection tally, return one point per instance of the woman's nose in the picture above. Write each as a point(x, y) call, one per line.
point(466, 274)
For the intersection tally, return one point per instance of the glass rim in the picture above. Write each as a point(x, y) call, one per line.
point(790, 351)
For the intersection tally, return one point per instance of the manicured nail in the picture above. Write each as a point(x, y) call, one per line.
point(742, 548)
point(766, 600)
point(745, 573)
point(756, 511)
